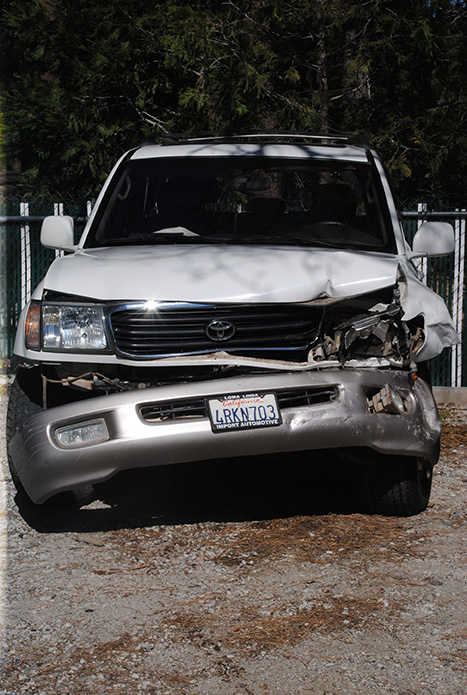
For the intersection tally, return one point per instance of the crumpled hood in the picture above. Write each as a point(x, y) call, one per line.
point(219, 274)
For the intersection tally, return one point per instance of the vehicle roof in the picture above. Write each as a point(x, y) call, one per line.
point(350, 153)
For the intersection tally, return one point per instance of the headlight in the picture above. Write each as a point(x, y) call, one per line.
point(77, 327)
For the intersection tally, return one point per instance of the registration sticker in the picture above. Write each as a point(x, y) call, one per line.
point(244, 411)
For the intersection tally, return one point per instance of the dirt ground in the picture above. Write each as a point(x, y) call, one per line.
point(256, 577)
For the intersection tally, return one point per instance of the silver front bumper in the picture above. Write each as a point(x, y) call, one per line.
point(45, 468)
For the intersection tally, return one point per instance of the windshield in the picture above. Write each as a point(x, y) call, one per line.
point(242, 200)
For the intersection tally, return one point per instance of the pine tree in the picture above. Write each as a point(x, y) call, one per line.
point(83, 81)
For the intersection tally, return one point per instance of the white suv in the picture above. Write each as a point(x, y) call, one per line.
point(232, 297)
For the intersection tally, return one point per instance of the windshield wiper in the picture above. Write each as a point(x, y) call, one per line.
point(286, 241)
point(158, 239)
point(326, 243)
point(332, 243)
point(180, 238)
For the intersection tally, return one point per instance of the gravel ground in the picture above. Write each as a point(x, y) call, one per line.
point(246, 577)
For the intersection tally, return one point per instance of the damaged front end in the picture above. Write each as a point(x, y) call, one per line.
point(341, 373)
point(205, 342)
point(370, 328)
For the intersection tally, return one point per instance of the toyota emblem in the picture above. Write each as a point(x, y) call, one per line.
point(220, 331)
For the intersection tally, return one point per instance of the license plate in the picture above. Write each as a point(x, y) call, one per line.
point(244, 411)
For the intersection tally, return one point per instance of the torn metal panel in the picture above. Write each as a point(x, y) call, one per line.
point(439, 329)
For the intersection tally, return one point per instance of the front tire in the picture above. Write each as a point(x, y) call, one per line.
point(398, 485)
point(24, 400)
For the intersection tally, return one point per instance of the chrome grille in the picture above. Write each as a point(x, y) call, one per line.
point(183, 330)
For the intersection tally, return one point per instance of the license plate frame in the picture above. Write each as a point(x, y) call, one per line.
point(244, 411)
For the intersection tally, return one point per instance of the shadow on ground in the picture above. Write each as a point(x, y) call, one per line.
point(247, 489)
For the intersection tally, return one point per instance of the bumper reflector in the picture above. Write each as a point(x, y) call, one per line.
point(82, 434)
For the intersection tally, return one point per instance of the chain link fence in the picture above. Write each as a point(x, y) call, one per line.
point(24, 262)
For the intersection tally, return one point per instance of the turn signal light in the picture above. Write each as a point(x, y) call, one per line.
point(33, 326)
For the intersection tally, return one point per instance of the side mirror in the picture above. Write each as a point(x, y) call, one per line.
point(57, 232)
point(434, 239)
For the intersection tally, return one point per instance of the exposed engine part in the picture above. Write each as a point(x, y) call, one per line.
point(91, 381)
point(382, 333)
point(388, 401)
point(119, 379)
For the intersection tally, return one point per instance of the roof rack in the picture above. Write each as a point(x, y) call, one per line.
point(326, 139)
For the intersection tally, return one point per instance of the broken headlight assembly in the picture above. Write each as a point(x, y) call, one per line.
point(75, 327)
point(354, 331)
